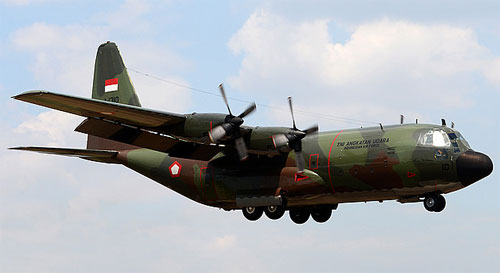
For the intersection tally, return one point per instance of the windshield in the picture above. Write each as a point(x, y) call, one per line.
point(457, 136)
point(434, 138)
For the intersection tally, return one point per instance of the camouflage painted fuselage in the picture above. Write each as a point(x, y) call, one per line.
point(368, 164)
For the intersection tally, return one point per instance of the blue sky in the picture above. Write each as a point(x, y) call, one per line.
point(347, 60)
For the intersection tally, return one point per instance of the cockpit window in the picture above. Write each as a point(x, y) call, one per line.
point(434, 138)
point(457, 136)
point(462, 139)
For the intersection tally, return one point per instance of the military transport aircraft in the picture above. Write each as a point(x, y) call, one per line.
point(215, 160)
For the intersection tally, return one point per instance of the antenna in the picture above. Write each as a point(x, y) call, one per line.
point(443, 122)
point(452, 124)
point(402, 119)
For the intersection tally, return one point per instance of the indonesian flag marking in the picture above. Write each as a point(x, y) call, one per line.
point(111, 85)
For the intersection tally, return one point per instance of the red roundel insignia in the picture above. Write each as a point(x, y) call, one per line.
point(175, 169)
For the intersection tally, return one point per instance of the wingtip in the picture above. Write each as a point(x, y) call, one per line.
point(28, 93)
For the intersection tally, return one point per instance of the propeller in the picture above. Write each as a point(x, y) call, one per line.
point(231, 127)
point(293, 139)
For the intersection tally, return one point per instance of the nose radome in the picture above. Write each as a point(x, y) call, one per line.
point(472, 166)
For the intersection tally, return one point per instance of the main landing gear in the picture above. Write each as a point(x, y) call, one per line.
point(434, 202)
point(299, 215)
point(252, 213)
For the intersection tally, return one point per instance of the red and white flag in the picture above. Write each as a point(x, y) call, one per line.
point(111, 85)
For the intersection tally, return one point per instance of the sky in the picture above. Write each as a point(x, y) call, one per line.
point(345, 63)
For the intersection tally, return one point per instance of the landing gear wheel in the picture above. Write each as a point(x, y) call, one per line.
point(299, 215)
point(434, 202)
point(322, 213)
point(430, 202)
point(274, 212)
point(252, 213)
point(441, 204)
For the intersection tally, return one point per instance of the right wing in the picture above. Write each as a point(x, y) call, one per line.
point(94, 155)
point(147, 139)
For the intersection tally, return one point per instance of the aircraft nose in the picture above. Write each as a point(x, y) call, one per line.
point(472, 166)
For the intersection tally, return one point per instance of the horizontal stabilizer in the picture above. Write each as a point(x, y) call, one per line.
point(84, 107)
point(93, 155)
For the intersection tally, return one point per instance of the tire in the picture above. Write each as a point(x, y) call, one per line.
point(252, 213)
point(431, 202)
point(274, 212)
point(321, 213)
point(299, 215)
point(441, 204)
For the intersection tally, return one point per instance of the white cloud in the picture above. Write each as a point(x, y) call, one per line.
point(52, 128)
point(64, 57)
point(492, 72)
point(391, 64)
point(132, 10)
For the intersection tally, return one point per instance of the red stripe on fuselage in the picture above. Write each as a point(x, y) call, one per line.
point(329, 155)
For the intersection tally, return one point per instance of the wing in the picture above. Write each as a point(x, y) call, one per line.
point(124, 123)
point(132, 115)
point(94, 155)
point(179, 135)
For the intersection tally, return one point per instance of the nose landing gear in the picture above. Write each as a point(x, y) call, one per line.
point(434, 202)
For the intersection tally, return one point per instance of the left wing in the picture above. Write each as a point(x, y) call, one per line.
point(124, 123)
point(156, 130)
point(132, 115)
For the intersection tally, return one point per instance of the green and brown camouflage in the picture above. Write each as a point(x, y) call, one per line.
point(406, 162)
point(342, 166)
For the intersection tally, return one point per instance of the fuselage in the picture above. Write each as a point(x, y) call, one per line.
point(367, 164)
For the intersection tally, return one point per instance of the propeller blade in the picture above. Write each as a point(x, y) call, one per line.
point(241, 148)
point(299, 161)
point(312, 129)
point(291, 111)
point(249, 110)
point(221, 88)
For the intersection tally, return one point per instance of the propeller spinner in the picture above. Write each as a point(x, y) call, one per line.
point(293, 139)
point(231, 128)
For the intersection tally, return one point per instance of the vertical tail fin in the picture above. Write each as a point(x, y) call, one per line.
point(111, 80)
point(111, 83)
